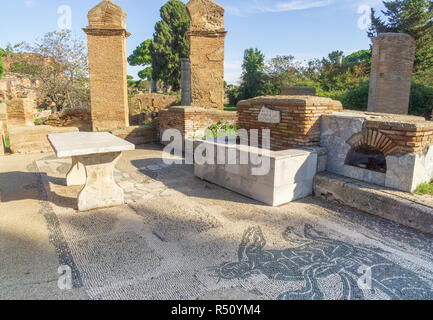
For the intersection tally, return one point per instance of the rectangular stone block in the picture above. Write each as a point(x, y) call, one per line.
point(287, 176)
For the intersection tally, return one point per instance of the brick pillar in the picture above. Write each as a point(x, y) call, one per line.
point(106, 40)
point(207, 39)
point(391, 73)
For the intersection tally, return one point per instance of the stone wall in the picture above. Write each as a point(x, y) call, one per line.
point(192, 121)
point(207, 38)
point(391, 73)
point(137, 134)
point(299, 119)
point(21, 112)
point(106, 39)
point(24, 140)
point(74, 117)
point(152, 102)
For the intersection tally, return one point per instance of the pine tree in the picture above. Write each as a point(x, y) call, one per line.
point(170, 43)
point(414, 17)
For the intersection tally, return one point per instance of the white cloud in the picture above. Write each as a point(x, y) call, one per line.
point(259, 7)
point(295, 5)
point(29, 3)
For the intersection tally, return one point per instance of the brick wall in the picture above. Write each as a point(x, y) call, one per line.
point(300, 119)
point(21, 112)
point(407, 136)
point(137, 134)
point(192, 121)
point(33, 139)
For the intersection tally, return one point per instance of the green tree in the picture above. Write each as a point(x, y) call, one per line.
point(253, 82)
point(61, 72)
point(282, 71)
point(414, 17)
point(141, 57)
point(2, 69)
point(170, 43)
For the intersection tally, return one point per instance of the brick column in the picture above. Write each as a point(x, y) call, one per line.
point(207, 39)
point(391, 73)
point(106, 40)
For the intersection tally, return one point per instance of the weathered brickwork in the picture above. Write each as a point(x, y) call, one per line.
point(207, 38)
point(408, 135)
point(106, 39)
point(391, 73)
point(150, 102)
point(21, 112)
point(137, 134)
point(192, 121)
point(300, 119)
point(33, 139)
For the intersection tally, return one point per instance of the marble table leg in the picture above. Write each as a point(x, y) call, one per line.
point(77, 174)
point(100, 190)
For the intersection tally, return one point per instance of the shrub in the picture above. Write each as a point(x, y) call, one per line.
point(421, 100)
point(222, 129)
point(2, 69)
point(234, 96)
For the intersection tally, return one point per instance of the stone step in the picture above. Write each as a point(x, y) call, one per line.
point(400, 207)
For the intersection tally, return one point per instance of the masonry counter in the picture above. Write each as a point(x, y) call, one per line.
point(94, 156)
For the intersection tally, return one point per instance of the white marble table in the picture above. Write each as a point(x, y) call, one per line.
point(94, 156)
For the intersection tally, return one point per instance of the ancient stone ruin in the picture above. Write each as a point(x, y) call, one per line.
point(207, 37)
point(106, 37)
point(391, 73)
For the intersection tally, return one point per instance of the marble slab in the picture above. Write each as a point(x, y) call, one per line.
point(85, 143)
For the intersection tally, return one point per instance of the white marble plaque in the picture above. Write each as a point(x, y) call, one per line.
point(269, 115)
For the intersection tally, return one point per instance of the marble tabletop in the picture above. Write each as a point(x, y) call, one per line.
point(85, 143)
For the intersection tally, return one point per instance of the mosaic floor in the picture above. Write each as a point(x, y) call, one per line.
point(182, 238)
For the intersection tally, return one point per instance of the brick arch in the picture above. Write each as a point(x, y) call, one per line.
point(375, 139)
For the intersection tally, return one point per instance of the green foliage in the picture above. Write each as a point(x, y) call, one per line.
point(222, 129)
point(25, 68)
point(282, 71)
point(170, 43)
point(229, 107)
point(2, 69)
point(425, 189)
point(38, 121)
point(141, 57)
point(253, 76)
point(234, 96)
point(355, 96)
point(421, 100)
point(414, 17)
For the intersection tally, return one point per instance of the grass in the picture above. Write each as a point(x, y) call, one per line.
point(425, 188)
point(228, 107)
point(38, 121)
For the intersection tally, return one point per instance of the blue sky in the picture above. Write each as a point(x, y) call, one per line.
point(305, 29)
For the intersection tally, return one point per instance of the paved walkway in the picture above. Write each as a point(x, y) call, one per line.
point(182, 238)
